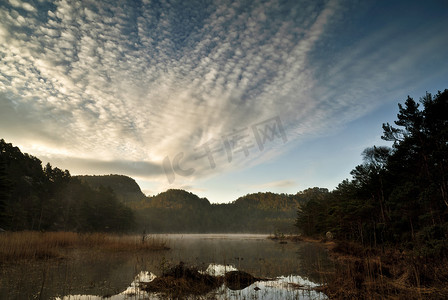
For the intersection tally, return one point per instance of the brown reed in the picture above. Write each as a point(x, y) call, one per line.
point(34, 245)
point(369, 273)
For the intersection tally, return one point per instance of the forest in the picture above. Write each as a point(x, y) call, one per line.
point(50, 199)
point(47, 198)
point(182, 211)
point(398, 196)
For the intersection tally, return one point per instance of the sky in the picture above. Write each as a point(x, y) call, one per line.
point(221, 98)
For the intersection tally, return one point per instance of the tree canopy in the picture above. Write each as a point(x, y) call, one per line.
point(180, 211)
point(48, 198)
point(399, 194)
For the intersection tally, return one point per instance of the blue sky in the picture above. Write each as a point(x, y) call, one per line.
point(221, 98)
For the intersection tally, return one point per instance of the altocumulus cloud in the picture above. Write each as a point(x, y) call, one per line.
point(121, 86)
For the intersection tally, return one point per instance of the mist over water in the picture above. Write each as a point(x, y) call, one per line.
point(252, 253)
point(112, 274)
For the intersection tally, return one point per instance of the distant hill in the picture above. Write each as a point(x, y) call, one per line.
point(177, 199)
point(268, 201)
point(124, 187)
point(182, 211)
point(33, 197)
point(173, 211)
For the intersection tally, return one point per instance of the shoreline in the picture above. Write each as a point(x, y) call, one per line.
point(370, 273)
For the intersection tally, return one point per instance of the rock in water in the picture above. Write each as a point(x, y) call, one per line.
point(180, 281)
point(238, 280)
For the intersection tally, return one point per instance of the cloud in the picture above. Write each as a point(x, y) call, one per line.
point(80, 166)
point(272, 185)
point(105, 85)
point(23, 5)
point(111, 91)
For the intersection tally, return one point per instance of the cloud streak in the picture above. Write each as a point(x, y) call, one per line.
point(269, 186)
point(97, 84)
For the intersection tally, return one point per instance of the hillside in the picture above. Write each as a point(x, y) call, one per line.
point(36, 198)
point(268, 201)
point(124, 187)
point(47, 198)
point(182, 211)
point(177, 199)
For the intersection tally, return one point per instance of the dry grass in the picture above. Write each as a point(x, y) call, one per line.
point(43, 245)
point(374, 273)
point(363, 273)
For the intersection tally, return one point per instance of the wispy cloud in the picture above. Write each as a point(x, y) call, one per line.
point(272, 185)
point(100, 85)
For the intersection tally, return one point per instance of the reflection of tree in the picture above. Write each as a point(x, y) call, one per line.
point(314, 262)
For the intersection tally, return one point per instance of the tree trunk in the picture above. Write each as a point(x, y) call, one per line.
point(412, 228)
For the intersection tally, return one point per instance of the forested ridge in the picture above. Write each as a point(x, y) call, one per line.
point(33, 197)
point(181, 211)
point(398, 195)
point(124, 187)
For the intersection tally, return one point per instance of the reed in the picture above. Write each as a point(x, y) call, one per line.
point(34, 245)
point(369, 273)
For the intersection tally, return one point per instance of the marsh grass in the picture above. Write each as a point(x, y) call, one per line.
point(369, 273)
point(378, 273)
point(34, 245)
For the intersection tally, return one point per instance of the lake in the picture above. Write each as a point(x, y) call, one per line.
point(94, 274)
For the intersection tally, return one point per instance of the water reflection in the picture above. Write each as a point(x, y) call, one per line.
point(109, 273)
point(218, 270)
point(283, 287)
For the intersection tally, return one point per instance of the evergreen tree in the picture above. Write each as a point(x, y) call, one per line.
point(399, 194)
point(5, 191)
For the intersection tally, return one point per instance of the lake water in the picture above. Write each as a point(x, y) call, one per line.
point(93, 275)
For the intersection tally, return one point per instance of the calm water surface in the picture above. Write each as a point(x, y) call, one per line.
point(87, 275)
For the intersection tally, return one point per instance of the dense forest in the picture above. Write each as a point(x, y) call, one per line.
point(124, 187)
point(181, 211)
point(399, 195)
point(33, 197)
